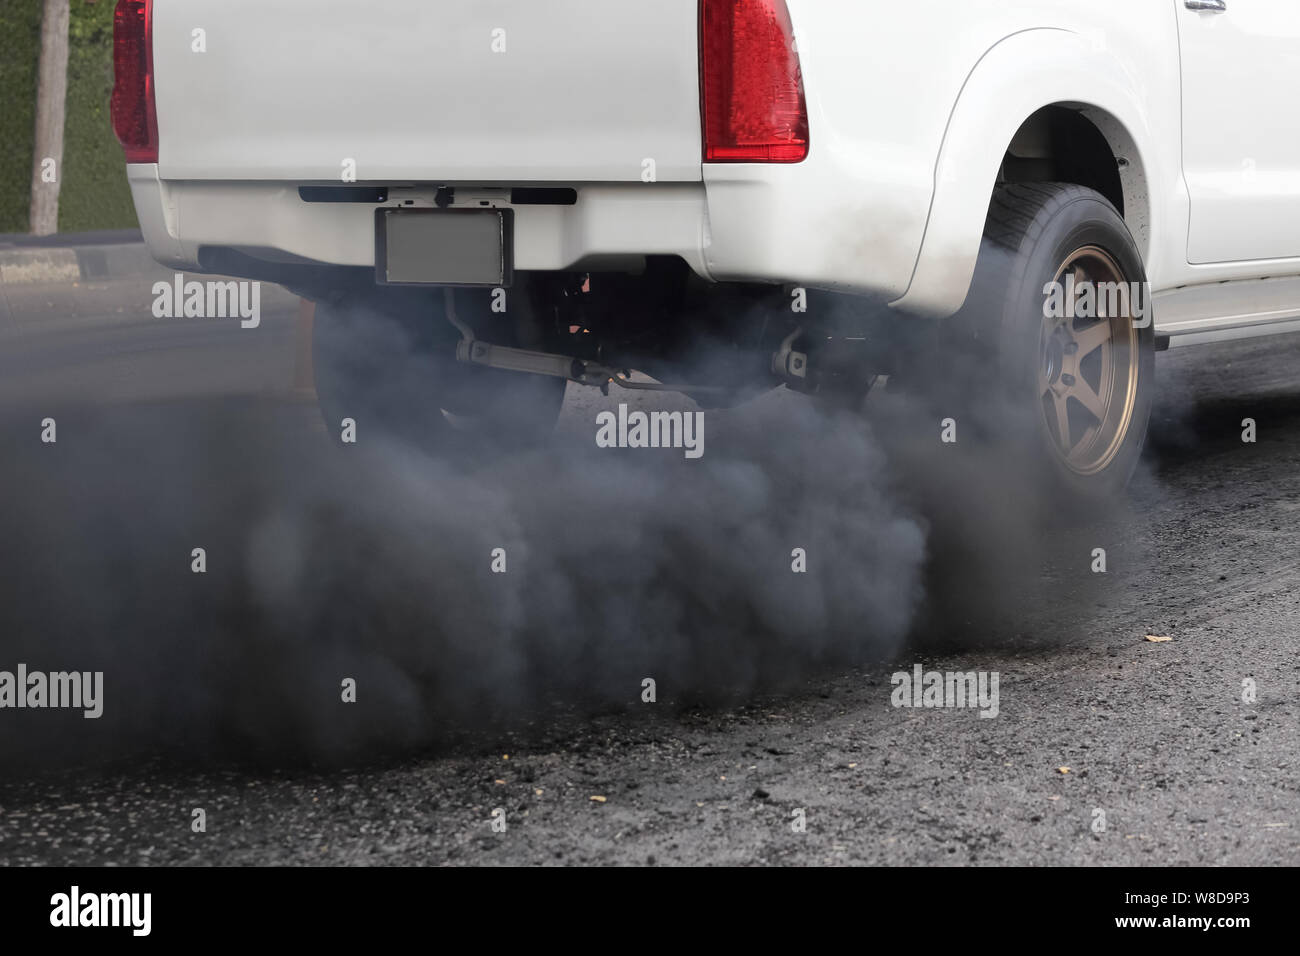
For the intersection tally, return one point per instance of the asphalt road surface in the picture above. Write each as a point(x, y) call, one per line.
point(1107, 748)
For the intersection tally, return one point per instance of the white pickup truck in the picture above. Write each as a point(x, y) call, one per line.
point(487, 198)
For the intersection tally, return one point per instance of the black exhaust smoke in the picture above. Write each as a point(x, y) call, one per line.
point(375, 565)
point(361, 602)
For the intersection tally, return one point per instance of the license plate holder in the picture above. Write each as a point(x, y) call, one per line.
point(450, 247)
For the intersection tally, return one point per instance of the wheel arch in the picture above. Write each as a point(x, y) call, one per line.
point(1018, 89)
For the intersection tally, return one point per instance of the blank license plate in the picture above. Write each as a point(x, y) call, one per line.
point(443, 247)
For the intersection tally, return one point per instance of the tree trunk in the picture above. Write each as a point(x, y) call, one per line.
point(51, 93)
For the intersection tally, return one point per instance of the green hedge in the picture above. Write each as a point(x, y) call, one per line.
point(94, 192)
point(20, 44)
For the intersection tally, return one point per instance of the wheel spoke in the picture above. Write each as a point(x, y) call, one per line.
point(1092, 338)
point(1062, 421)
point(1085, 396)
point(1080, 277)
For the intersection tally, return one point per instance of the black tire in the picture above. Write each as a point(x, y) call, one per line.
point(1042, 387)
point(386, 360)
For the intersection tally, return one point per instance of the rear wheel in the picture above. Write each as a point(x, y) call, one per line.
point(1058, 375)
point(386, 360)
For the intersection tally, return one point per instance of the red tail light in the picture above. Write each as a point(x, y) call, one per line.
point(750, 83)
point(135, 119)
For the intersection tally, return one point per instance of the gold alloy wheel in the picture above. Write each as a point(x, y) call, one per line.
point(1088, 364)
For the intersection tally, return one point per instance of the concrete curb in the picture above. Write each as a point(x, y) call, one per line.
point(95, 237)
point(75, 263)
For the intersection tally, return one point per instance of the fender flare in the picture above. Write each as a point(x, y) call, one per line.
point(1018, 76)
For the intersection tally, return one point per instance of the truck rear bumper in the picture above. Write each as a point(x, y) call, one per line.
point(270, 221)
point(741, 224)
